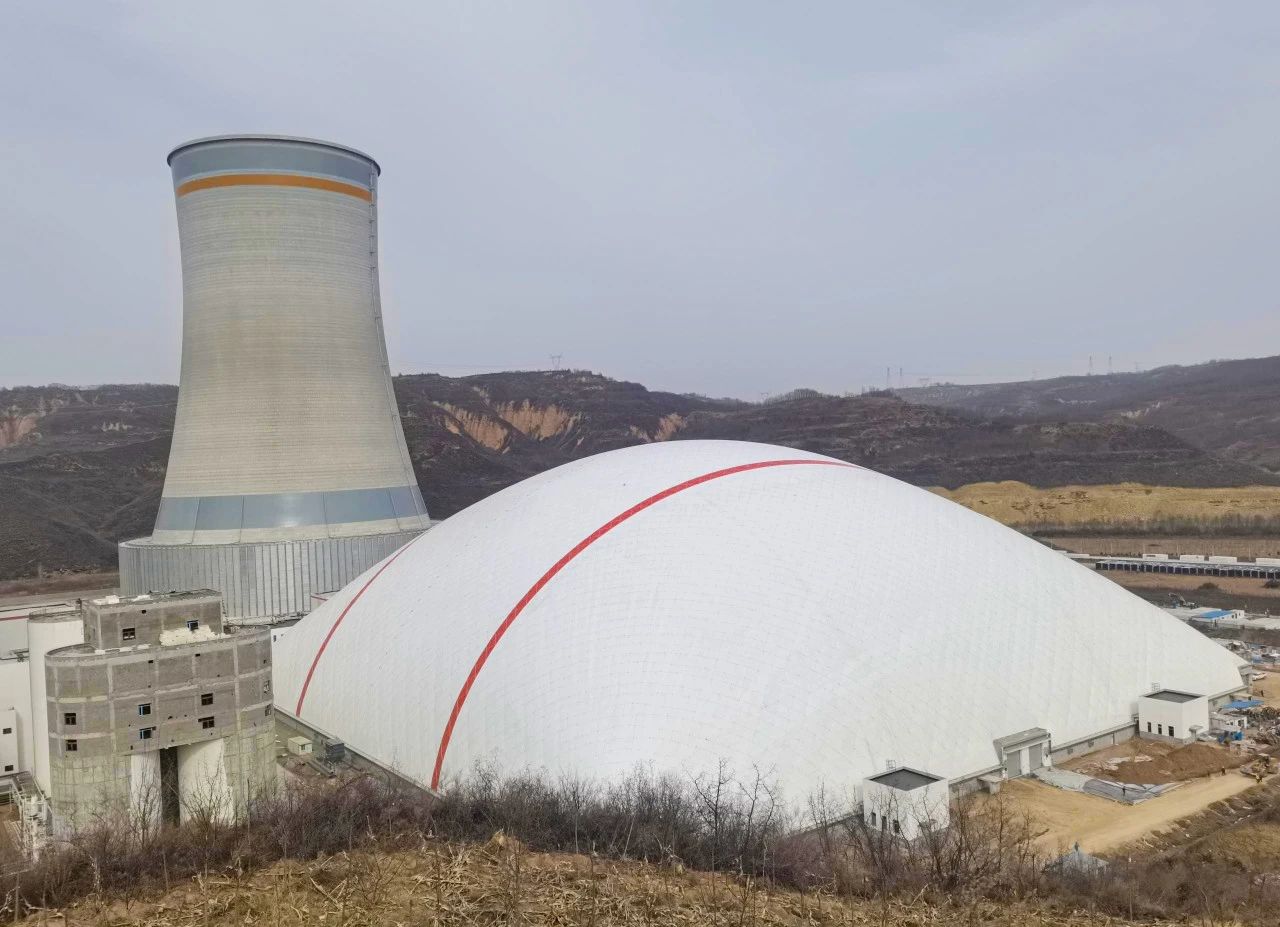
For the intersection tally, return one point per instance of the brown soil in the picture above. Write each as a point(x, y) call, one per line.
point(1149, 762)
point(61, 582)
point(1016, 503)
point(1065, 818)
point(1249, 594)
point(1268, 689)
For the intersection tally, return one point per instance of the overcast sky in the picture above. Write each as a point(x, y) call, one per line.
point(727, 198)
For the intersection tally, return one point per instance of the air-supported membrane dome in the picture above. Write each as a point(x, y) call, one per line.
point(674, 604)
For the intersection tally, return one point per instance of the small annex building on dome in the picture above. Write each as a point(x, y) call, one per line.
point(680, 603)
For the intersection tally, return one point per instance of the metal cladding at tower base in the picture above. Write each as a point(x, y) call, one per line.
point(264, 578)
point(288, 474)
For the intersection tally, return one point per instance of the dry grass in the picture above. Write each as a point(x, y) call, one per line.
point(447, 884)
point(1253, 847)
point(1113, 507)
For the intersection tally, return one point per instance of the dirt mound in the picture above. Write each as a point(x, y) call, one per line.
point(1190, 762)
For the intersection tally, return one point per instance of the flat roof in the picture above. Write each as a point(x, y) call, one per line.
point(1171, 695)
point(904, 779)
point(157, 597)
point(1029, 735)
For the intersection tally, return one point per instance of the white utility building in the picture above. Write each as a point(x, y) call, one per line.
point(1169, 714)
point(905, 802)
point(683, 602)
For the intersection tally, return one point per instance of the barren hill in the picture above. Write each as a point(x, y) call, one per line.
point(1228, 408)
point(81, 469)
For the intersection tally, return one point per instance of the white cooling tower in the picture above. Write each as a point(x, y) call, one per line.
point(288, 473)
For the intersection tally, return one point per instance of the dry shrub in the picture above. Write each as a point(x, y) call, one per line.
point(715, 822)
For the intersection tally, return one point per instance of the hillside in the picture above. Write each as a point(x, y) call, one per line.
point(1228, 408)
point(81, 469)
point(461, 884)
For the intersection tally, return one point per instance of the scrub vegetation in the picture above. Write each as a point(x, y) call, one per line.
point(711, 849)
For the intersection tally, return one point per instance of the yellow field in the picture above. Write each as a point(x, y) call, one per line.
point(1024, 506)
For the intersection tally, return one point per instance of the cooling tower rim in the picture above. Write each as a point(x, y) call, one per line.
point(293, 139)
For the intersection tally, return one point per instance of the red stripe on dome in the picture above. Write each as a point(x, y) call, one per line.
point(569, 557)
point(306, 683)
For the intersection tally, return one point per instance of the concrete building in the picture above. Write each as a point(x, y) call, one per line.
point(159, 712)
point(288, 474)
point(905, 802)
point(1168, 714)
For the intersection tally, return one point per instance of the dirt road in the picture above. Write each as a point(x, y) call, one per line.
point(1099, 825)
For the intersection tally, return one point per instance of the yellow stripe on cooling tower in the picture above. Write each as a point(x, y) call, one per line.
point(274, 180)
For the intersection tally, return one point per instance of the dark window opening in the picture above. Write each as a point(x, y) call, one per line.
point(68, 717)
point(206, 723)
point(897, 828)
point(72, 746)
point(8, 730)
point(206, 698)
point(146, 733)
point(8, 767)
point(193, 626)
point(128, 634)
point(267, 710)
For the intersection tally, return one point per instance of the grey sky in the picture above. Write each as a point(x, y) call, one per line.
point(728, 198)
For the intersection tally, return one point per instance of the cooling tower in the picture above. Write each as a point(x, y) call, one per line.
point(288, 475)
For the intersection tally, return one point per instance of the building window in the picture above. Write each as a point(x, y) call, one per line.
point(206, 698)
point(8, 767)
point(146, 733)
point(1148, 727)
point(897, 828)
point(144, 709)
point(193, 626)
point(8, 730)
point(1171, 734)
point(206, 723)
point(128, 634)
point(72, 746)
point(69, 718)
point(267, 711)
point(873, 819)
point(1160, 729)
point(266, 687)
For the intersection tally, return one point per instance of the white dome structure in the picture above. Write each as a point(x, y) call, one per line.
point(680, 603)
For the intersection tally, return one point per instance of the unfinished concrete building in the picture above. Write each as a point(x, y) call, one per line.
point(161, 713)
